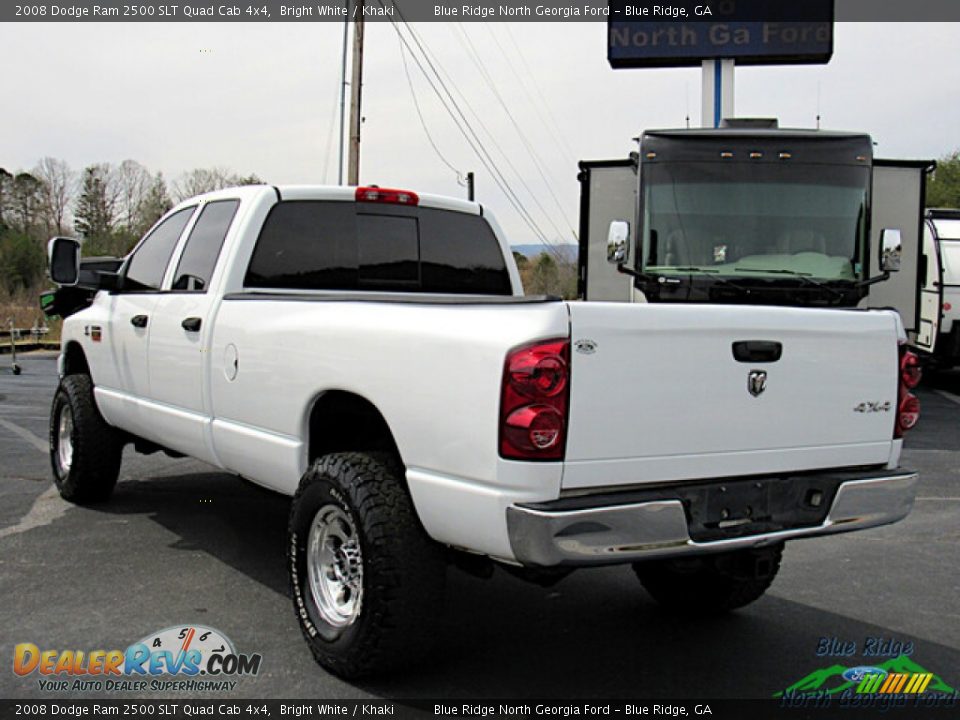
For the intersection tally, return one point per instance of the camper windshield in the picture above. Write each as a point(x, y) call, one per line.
point(950, 254)
point(754, 219)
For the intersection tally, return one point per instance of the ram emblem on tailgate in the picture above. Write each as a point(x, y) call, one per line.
point(757, 382)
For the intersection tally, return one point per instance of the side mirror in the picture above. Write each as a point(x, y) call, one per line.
point(891, 247)
point(618, 242)
point(63, 255)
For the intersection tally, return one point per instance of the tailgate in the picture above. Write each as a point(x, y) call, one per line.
point(658, 395)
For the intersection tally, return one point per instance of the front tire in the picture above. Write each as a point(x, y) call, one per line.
point(366, 579)
point(711, 584)
point(85, 451)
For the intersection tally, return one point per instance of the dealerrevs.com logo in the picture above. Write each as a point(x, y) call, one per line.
point(184, 658)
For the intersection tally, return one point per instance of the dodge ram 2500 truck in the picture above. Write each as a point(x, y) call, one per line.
point(370, 353)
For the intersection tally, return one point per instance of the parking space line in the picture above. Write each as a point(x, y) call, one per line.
point(949, 396)
point(45, 509)
point(39, 444)
point(938, 499)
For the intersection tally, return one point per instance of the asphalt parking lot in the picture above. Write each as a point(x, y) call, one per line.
point(182, 543)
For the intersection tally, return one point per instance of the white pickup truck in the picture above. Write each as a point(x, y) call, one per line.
point(370, 353)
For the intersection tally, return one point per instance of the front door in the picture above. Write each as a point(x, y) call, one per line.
point(132, 310)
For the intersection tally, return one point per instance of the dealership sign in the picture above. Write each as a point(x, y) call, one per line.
point(752, 32)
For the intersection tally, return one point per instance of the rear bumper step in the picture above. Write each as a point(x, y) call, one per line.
point(550, 534)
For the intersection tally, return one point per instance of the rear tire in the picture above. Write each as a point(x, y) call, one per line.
point(711, 584)
point(366, 580)
point(85, 451)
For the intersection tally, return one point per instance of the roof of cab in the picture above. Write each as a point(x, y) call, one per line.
point(337, 193)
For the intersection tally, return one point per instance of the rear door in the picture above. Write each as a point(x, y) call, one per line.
point(679, 392)
point(608, 191)
point(931, 294)
point(897, 201)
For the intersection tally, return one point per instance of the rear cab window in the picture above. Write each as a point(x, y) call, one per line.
point(335, 245)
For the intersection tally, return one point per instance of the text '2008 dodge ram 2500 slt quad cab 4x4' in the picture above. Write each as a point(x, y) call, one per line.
point(370, 353)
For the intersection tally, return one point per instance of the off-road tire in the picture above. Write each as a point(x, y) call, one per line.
point(97, 447)
point(403, 570)
point(711, 584)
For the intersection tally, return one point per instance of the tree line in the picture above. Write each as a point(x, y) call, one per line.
point(109, 207)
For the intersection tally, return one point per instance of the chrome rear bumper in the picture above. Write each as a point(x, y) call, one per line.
point(654, 529)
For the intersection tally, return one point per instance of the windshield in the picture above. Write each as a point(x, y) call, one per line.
point(947, 229)
point(950, 255)
point(760, 219)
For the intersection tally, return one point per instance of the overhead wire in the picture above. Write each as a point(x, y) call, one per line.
point(506, 157)
point(536, 87)
point(330, 132)
point(463, 124)
point(477, 144)
point(423, 122)
point(531, 150)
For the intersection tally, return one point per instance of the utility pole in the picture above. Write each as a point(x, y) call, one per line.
point(343, 95)
point(356, 82)
point(471, 195)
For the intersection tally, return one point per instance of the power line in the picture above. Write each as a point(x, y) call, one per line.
point(536, 87)
point(463, 124)
point(485, 157)
point(537, 162)
point(416, 104)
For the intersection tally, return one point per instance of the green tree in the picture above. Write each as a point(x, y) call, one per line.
point(95, 212)
point(943, 189)
point(21, 262)
point(25, 209)
point(5, 180)
point(155, 203)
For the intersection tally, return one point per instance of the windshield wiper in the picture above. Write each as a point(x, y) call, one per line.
point(805, 277)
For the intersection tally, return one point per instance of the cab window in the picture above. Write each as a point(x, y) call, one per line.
point(203, 246)
point(146, 267)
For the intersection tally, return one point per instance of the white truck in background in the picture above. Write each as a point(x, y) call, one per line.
point(370, 353)
point(751, 213)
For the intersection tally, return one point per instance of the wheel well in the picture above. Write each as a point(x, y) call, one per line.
point(74, 360)
point(341, 421)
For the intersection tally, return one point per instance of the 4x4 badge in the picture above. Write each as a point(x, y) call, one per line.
point(757, 382)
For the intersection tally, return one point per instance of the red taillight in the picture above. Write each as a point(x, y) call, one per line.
point(908, 406)
point(533, 401)
point(386, 195)
point(908, 413)
point(910, 372)
point(947, 307)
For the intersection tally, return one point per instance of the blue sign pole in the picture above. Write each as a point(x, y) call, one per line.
point(717, 90)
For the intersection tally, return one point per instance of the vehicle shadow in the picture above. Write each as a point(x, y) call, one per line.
point(595, 634)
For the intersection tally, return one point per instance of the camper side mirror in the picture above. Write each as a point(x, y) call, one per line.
point(63, 254)
point(618, 242)
point(891, 246)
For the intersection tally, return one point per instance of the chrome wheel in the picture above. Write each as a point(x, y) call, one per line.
point(65, 440)
point(335, 566)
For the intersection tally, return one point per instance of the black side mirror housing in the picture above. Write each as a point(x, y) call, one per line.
point(63, 255)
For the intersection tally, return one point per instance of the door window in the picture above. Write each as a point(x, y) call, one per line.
point(203, 246)
point(149, 262)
